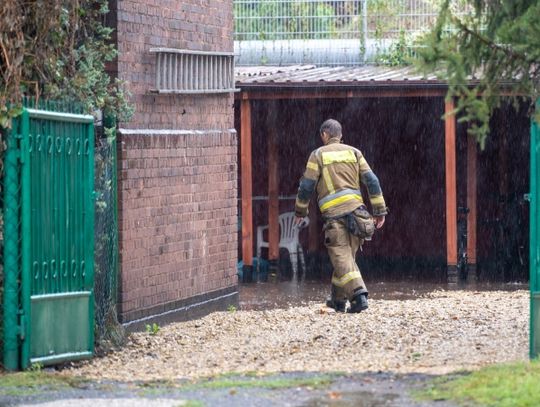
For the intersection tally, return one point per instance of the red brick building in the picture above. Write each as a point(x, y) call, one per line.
point(177, 167)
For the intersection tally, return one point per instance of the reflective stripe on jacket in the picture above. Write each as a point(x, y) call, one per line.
point(335, 171)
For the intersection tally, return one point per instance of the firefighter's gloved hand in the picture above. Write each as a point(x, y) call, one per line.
point(300, 222)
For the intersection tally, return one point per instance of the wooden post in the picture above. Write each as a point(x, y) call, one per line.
point(247, 210)
point(451, 196)
point(273, 190)
point(471, 204)
point(501, 239)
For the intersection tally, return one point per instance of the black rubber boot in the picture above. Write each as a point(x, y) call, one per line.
point(358, 303)
point(333, 302)
point(339, 306)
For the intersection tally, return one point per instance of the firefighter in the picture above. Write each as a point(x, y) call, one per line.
point(335, 171)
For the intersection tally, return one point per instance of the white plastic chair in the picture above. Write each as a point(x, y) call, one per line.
point(288, 239)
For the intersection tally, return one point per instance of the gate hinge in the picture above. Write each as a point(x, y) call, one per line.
point(18, 154)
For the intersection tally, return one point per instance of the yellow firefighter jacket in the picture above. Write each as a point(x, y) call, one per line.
point(336, 170)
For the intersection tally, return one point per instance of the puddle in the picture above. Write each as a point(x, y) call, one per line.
point(355, 399)
point(285, 294)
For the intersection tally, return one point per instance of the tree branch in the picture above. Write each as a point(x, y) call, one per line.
point(489, 43)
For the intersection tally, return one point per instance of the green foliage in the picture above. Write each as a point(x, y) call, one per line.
point(510, 385)
point(382, 17)
point(231, 308)
point(57, 52)
point(399, 53)
point(152, 329)
point(496, 44)
point(36, 367)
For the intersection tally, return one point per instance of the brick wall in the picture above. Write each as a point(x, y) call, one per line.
point(177, 163)
point(178, 219)
point(201, 25)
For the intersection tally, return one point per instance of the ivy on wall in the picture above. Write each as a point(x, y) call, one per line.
point(57, 49)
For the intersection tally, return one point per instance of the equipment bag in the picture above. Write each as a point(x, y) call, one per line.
point(360, 223)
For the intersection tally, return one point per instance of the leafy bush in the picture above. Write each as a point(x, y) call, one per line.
point(57, 52)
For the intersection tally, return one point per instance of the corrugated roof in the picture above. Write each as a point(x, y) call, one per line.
point(312, 75)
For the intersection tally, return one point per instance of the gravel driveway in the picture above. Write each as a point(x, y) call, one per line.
point(436, 332)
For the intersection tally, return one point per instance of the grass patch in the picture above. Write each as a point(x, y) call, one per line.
point(192, 403)
point(508, 385)
point(31, 382)
point(263, 382)
point(242, 381)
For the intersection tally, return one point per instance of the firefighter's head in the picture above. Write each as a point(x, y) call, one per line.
point(330, 129)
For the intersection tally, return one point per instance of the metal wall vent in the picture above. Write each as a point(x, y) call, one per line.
point(193, 72)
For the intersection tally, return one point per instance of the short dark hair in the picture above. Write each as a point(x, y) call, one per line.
point(332, 128)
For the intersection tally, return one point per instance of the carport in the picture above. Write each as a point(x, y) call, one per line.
point(394, 116)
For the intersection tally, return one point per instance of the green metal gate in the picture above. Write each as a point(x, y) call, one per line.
point(48, 238)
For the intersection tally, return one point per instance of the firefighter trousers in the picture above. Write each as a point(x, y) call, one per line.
point(342, 247)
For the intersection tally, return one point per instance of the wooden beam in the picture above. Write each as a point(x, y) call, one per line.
point(451, 196)
point(324, 90)
point(246, 182)
point(273, 188)
point(471, 200)
point(330, 93)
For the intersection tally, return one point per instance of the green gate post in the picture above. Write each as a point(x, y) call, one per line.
point(89, 228)
point(11, 250)
point(26, 279)
point(534, 248)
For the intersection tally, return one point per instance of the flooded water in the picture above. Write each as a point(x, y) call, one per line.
point(285, 294)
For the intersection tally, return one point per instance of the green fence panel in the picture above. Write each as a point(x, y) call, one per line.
point(534, 250)
point(58, 220)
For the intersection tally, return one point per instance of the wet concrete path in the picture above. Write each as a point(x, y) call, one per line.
point(365, 390)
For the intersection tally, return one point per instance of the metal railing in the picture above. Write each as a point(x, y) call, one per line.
point(314, 27)
point(290, 19)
